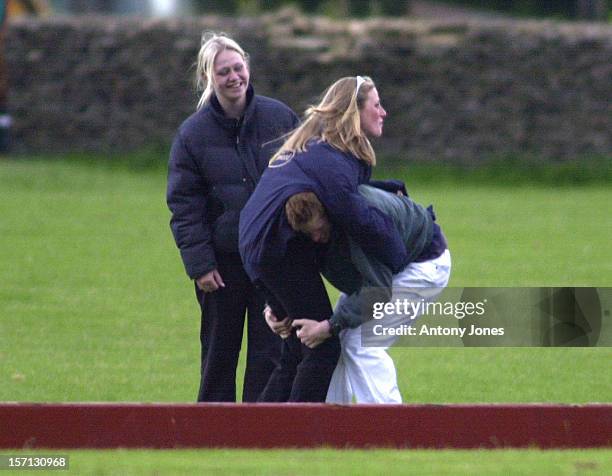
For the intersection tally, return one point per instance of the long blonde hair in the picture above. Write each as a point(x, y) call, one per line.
point(212, 45)
point(336, 121)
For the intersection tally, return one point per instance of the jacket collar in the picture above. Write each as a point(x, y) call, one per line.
point(228, 122)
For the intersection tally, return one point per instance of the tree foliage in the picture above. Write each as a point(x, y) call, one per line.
point(567, 9)
point(574, 9)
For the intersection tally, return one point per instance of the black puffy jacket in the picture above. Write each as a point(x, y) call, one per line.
point(215, 163)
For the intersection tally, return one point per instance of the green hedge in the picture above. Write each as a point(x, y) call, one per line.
point(567, 9)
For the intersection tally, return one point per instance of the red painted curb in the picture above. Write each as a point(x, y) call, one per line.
point(304, 425)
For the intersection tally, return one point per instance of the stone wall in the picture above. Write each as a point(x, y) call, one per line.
point(453, 90)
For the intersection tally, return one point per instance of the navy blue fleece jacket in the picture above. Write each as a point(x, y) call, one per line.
point(214, 166)
point(333, 176)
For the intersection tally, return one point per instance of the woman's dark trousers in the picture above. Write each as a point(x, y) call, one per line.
point(223, 317)
point(294, 288)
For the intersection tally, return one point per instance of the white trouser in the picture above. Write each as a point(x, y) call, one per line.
point(368, 373)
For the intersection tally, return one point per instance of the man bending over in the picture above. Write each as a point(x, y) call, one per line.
point(367, 373)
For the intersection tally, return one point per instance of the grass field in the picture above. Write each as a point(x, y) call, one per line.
point(325, 462)
point(95, 306)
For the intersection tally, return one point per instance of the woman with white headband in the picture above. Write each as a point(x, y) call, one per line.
point(330, 154)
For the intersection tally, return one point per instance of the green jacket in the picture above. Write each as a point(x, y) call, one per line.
point(362, 278)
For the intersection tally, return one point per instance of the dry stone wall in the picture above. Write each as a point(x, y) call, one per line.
point(466, 90)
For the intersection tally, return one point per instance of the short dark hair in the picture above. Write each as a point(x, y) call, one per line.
point(302, 208)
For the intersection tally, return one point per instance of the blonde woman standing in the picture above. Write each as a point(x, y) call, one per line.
point(217, 158)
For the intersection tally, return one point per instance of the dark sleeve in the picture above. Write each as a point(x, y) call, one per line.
point(371, 229)
point(390, 185)
point(186, 198)
point(353, 309)
point(277, 308)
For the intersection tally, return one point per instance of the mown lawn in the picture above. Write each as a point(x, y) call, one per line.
point(95, 306)
point(326, 461)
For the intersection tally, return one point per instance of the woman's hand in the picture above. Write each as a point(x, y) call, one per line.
point(210, 282)
point(282, 328)
point(312, 333)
